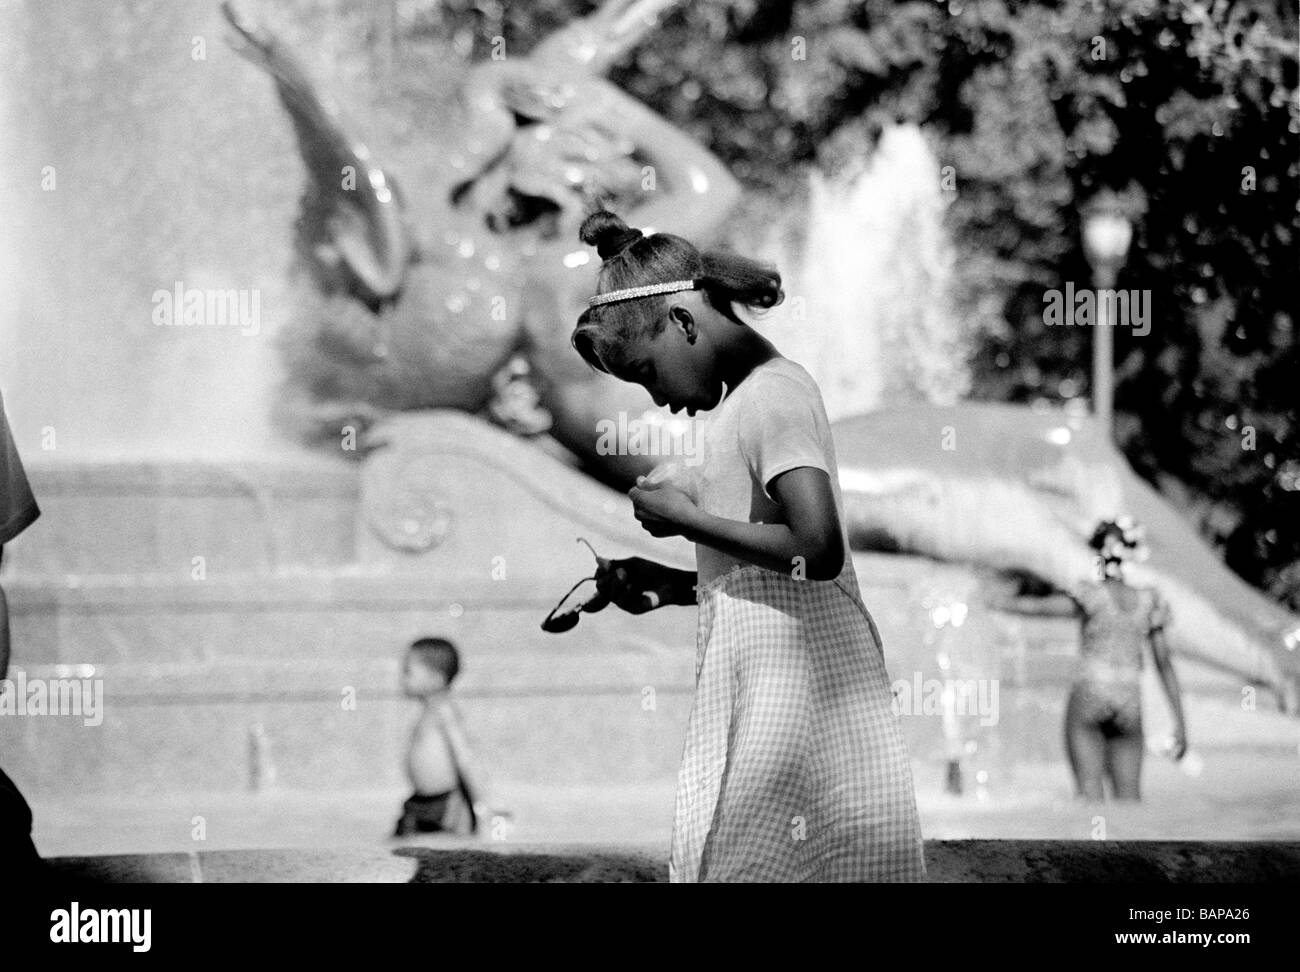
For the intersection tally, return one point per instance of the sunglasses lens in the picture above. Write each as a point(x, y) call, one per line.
point(556, 623)
point(561, 623)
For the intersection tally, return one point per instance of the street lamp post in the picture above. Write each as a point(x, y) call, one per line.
point(1107, 233)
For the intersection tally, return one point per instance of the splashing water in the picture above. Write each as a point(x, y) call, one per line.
point(130, 164)
point(869, 308)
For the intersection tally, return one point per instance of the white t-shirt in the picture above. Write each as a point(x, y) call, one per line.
point(770, 423)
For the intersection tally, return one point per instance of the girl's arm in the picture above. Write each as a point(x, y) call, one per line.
point(1077, 597)
point(1060, 603)
point(629, 581)
point(1169, 679)
point(810, 544)
point(681, 587)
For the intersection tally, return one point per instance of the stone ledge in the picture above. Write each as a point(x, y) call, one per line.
point(467, 861)
point(298, 473)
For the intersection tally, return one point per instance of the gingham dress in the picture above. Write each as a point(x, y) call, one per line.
point(795, 768)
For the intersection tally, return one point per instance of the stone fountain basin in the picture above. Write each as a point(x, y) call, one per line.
point(291, 633)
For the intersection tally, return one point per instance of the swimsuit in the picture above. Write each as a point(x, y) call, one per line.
point(1107, 691)
point(436, 813)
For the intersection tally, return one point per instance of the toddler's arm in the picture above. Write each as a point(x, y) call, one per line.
point(467, 764)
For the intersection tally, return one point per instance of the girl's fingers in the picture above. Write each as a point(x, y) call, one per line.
point(608, 584)
point(617, 586)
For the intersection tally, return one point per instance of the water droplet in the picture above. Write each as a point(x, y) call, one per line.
point(1059, 436)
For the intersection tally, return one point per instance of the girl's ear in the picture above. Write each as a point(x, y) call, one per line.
point(685, 320)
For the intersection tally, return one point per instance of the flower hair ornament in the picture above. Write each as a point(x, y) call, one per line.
point(1119, 539)
point(649, 290)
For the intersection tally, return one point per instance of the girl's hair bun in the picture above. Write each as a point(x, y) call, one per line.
point(608, 234)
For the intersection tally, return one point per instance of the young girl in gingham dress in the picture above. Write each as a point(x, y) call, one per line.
point(794, 767)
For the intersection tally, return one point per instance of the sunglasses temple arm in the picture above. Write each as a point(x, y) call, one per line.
point(566, 596)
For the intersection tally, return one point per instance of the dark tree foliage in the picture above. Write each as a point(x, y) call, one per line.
point(1037, 105)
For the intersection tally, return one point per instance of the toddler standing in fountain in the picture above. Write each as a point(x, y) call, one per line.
point(794, 767)
point(447, 797)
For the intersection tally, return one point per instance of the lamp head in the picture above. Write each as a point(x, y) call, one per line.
point(1107, 230)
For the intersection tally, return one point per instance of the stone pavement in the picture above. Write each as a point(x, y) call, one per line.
point(460, 861)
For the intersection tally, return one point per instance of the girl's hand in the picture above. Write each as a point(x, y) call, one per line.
point(663, 510)
point(635, 584)
point(1178, 744)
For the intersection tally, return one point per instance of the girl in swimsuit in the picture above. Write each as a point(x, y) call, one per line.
point(1103, 717)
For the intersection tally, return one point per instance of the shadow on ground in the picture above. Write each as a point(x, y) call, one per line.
point(435, 866)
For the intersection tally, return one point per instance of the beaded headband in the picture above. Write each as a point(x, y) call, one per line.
point(649, 290)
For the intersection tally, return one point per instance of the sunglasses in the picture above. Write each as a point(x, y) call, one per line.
point(558, 622)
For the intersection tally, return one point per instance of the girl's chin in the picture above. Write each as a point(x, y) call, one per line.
point(703, 405)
